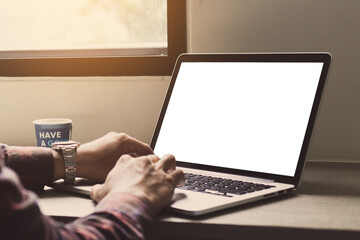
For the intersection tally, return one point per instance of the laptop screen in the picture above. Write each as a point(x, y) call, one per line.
point(240, 115)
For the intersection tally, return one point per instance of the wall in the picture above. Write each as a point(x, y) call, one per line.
point(96, 105)
point(290, 26)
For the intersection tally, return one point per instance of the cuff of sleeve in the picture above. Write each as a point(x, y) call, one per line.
point(34, 165)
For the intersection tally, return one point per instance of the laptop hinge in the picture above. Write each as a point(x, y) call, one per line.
point(259, 179)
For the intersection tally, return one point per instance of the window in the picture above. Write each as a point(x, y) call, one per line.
point(112, 37)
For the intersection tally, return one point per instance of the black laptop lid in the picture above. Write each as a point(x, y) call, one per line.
point(249, 114)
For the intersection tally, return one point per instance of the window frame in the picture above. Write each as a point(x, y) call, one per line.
point(146, 65)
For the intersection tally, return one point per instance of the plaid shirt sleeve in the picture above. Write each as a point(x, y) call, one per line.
point(118, 216)
point(34, 165)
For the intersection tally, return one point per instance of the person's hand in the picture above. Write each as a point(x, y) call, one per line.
point(147, 177)
point(97, 158)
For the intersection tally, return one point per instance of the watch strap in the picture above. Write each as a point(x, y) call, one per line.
point(69, 154)
point(68, 151)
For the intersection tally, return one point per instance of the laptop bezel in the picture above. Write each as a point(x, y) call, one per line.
point(325, 58)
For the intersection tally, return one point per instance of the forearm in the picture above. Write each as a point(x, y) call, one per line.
point(38, 166)
point(20, 216)
point(118, 217)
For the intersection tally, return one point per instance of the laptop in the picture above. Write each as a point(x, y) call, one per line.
point(239, 125)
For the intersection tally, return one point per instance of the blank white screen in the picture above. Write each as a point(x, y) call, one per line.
point(249, 116)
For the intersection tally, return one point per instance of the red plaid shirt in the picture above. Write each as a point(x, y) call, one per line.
point(116, 217)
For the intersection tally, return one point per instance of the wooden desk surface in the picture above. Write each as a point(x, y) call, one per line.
point(326, 206)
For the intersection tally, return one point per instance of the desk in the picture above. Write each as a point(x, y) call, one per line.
point(326, 206)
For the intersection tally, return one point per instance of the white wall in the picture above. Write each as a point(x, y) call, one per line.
point(96, 105)
point(294, 25)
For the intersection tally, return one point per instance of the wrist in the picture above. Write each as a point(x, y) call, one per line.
point(84, 163)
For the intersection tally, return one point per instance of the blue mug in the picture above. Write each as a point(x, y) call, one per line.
point(52, 130)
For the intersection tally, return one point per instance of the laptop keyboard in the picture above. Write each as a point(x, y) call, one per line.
point(220, 186)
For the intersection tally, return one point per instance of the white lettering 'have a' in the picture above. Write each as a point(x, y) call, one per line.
point(50, 134)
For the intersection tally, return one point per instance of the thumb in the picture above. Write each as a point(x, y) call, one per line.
point(97, 192)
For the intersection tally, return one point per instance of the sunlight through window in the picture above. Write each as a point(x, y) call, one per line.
point(33, 25)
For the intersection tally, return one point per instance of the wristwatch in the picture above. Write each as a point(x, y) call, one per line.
point(68, 150)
